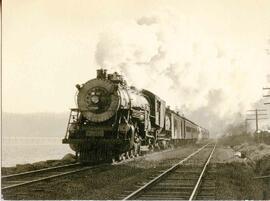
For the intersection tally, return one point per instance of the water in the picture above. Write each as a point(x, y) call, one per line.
point(21, 150)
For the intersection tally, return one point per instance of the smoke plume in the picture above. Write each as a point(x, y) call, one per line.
point(209, 82)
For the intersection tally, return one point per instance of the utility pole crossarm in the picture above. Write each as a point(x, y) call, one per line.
point(268, 95)
point(258, 116)
point(255, 119)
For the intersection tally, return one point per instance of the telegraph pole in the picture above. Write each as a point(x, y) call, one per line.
point(246, 126)
point(257, 124)
point(257, 115)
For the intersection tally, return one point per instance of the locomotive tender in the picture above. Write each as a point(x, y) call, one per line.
point(114, 121)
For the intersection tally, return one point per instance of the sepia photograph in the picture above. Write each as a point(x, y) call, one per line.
point(135, 99)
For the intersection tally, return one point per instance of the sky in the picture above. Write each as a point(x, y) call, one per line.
point(208, 59)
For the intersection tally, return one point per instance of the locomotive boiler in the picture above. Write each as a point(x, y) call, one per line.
point(115, 121)
point(112, 120)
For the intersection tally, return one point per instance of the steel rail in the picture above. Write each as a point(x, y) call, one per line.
point(44, 170)
point(262, 177)
point(133, 194)
point(38, 171)
point(51, 177)
point(195, 190)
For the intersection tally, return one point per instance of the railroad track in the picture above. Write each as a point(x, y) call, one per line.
point(190, 179)
point(26, 178)
point(13, 181)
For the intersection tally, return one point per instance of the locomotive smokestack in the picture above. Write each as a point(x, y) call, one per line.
point(102, 73)
point(99, 73)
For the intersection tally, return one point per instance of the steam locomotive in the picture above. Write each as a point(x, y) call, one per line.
point(115, 121)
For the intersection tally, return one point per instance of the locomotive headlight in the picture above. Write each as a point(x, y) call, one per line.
point(95, 99)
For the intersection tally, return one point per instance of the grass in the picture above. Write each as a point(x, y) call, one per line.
point(235, 181)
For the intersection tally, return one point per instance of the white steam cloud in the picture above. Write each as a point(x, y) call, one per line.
point(209, 82)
